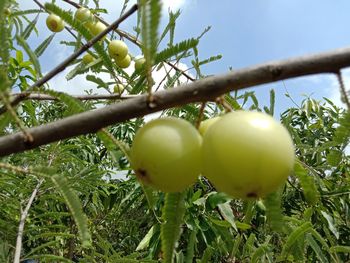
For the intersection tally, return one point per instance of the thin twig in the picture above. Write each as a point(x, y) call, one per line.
point(222, 101)
point(200, 115)
point(39, 96)
point(202, 90)
point(75, 55)
point(22, 221)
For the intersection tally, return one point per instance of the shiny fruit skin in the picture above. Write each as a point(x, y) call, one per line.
point(83, 14)
point(125, 62)
point(203, 127)
point(118, 49)
point(118, 88)
point(87, 58)
point(97, 28)
point(166, 154)
point(247, 154)
point(139, 63)
point(54, 23)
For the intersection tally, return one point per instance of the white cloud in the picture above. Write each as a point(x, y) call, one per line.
point(173, 4)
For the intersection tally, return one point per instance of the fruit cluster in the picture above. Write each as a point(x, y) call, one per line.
point(244, 154)
point(117, 49)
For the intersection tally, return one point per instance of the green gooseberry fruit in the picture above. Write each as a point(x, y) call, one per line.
point(247, 154)
point(54, 23)
point(165, 154)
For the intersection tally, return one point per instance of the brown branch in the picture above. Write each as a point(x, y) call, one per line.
point(72, 57)
point(38, 96)
point(22, 221)
point(199, 91)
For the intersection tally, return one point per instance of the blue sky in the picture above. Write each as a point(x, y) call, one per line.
point(245, 33)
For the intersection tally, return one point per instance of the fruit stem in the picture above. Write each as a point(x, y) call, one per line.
point(248, 217)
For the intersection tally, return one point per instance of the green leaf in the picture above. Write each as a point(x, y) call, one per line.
point(307, 183)
point(208, 252)
point(29, 29)
point(145, 241)
point(75, 207)
point(293, 237)
point(151, 14)
point(42, 47)
point(175, 50)
point(98, 81)
point(262, 250)
point(316, 248)
point(273, 211)
point(272, 102)
point(341, 249)
point(211, 59)
point(190, 247)
point(172, 215)
point(73, 105)
point(227, 213)
point(334, 157)
point(331, 224)
point(32, 57)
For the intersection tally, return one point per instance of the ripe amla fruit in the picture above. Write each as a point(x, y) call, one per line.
point(125, 62)
point(118, 49)
point(139, 63)
point(247, 154)
point(87, 58)
point(204, 126)
point(166, 154)
point(83, 14)
point(97, 28)
point(54, 23)
point(118, 88)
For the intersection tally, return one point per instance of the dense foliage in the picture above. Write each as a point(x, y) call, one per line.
point(83, 213)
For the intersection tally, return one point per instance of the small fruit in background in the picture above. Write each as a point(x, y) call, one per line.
point(165, 154)
point(139, 63)
point(118, 49)
point(247, 154)
point(124, 63)
point(54, 23)
point(203, 127)
point(7, 11)
point(97, 28)
point(83, 14)
point(118, 88)
point(87, 58)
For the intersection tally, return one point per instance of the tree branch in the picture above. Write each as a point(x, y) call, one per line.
point(38, 96)
point(22, 221)
point(199, 91)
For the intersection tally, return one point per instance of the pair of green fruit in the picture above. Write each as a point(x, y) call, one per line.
point(56, 24)
point(244, 154)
